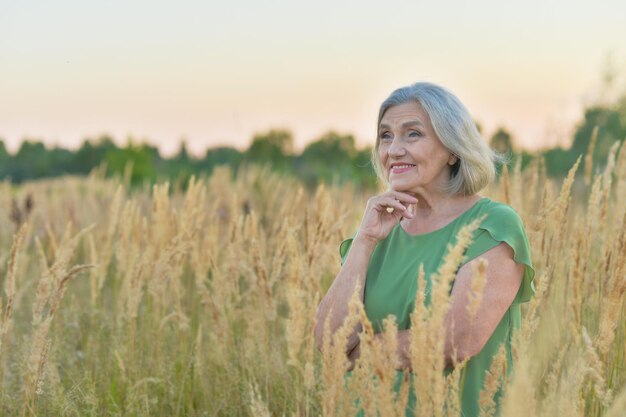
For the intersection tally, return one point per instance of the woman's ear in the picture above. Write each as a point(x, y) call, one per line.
point(452, 159)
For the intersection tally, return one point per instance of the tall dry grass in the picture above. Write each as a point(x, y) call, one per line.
point(202, 301)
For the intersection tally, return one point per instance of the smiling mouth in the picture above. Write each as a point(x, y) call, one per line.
point(400, 168)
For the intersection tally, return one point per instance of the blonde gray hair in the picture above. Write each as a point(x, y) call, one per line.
point(457, 131)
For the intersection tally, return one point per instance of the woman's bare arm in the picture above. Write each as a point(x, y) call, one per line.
point(338, 296)
point(504, 277)
point(382, 213)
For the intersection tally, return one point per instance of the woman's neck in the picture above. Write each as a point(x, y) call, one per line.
point(437, 208)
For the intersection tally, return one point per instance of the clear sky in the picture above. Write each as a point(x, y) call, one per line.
point(217, 72)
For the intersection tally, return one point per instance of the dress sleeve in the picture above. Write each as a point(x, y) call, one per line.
point(344, 248)
point(503, 224)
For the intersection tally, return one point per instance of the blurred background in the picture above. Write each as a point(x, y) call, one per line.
point(165, 90)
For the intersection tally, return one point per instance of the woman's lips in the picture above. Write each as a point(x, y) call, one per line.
point(399, 169)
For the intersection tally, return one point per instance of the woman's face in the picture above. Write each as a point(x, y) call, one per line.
point(410, 152)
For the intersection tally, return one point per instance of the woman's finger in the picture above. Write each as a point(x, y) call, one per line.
point(391, 203)
point(404, 197)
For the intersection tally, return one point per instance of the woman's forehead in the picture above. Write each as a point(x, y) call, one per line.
point(405, 114)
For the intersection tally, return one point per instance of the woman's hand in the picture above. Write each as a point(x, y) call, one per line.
point(354, 354)
point(382, 213)
point(402, 350)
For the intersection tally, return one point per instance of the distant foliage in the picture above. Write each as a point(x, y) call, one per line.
point(331, 158)
point(502, 141)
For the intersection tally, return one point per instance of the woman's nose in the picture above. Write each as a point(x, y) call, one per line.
point(396, 148)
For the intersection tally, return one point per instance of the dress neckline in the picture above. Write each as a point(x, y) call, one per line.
point(452, 222)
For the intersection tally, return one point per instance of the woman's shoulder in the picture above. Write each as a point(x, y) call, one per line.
point(495, 212)
point(500, 223)
point(503, 224)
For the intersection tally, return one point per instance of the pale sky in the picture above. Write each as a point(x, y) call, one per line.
point(217, 72)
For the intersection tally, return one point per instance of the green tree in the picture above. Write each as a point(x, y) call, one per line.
point(182, 156)
point(5, 159)
point(364, 171)
point(90, 155)
point(559, 161)
point(611, 127)
point(331, 148)
point(182, 166)
point(30, 161)
point(60, 161)
point(4, 153)
point(332, 157)
point(222, 155)
point(274, 147)
point(502, 141)
point(143, 158)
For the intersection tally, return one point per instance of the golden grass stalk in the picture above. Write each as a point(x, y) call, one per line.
point(494, 380)
point(102, 256)
point(258, 407)
point(475, 296)
point(593, 369)
point(620, 177)
point(618, 406)
point(520, 399)
point(334, 360)
point(9, 283)
point(504, 182)
point(50, 290)
point(556, 213)
point(428, 328)
point(516, 186)
point(589, 157)
point(9, 290)
point(604, 223)
point(378, 363)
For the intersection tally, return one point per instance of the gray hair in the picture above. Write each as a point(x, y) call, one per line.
point(456, 130)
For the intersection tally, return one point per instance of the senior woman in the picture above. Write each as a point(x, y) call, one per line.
point(434, 162)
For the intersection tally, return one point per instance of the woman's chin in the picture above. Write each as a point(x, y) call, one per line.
point(398, 186)
point(404, 188)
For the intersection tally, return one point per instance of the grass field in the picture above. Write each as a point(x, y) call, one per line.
point(201, 302)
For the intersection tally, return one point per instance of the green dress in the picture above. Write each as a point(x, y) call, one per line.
point(391, 283)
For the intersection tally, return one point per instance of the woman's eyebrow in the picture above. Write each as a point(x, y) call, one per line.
point(404, 125)
point(412, 123)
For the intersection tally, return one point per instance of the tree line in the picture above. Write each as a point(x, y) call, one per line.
point(333, 157)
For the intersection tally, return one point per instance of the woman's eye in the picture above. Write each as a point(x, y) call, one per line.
point(386, 136)
point(415, 134)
